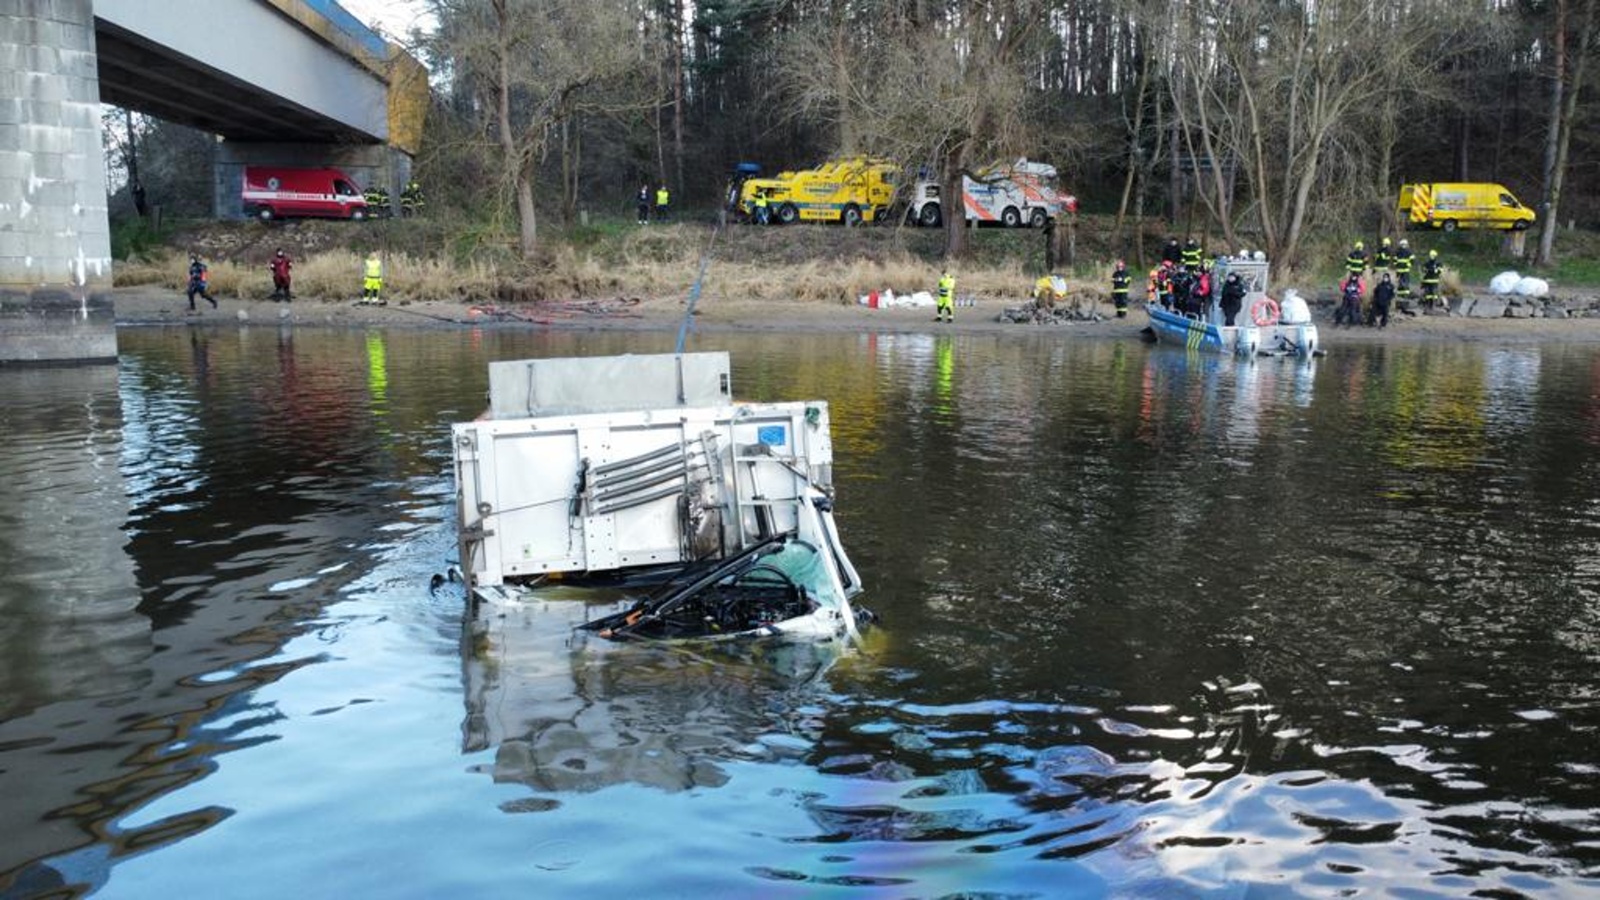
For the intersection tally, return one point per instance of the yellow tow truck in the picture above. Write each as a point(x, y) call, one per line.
point(851, 191)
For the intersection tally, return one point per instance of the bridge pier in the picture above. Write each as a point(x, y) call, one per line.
point(55, 237)
point(371, 165)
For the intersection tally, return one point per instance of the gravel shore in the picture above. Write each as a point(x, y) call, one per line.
point(148, 307)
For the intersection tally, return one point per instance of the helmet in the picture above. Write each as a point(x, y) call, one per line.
point(1359, 245)
point(1386, 242)
point(1260, 256)
point(1404, 242)
point(1206, 264)
point(1433, 254)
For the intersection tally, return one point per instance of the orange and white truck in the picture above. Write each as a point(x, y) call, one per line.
point(1015, 194)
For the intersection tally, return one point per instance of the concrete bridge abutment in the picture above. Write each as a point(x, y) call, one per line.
point(55, 237)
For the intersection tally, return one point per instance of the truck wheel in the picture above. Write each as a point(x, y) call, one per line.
point(1519, 226)
point(357, 215)
point(1449, 225)
point(851, 217)
point(264, 213)
point(1038, 219)
point(1010, 218)
point(929, 217)
point(787, 214)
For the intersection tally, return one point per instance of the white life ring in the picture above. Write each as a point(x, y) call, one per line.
point(1264, 312)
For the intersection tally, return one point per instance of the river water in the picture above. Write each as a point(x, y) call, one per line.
point(1152, 625)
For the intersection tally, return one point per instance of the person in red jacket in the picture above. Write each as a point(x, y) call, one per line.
point(280, 266)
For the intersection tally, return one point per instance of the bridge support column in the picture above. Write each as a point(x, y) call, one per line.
point(371, 165)
point(55, 237)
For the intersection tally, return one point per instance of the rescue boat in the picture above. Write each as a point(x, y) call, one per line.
point(1264, 326)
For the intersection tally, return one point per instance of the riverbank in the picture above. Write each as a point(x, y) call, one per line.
point(153, 307)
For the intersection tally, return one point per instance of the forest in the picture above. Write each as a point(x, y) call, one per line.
point(1257, 123)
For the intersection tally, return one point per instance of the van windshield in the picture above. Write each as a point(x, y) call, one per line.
point(1510, 201)
point(344, 188)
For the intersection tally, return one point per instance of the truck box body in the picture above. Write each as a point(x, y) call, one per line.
point(271, 192)
point(1452, 205)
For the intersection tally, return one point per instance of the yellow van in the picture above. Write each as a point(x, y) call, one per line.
point(1460, 204)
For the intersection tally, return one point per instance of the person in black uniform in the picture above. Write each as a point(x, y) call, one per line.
point(1232, 297)
point(1382, 295)
point(1120, 279)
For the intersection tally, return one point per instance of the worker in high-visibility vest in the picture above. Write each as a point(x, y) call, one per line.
point(372, 281)
point(1403, 258)
point(663, 198)
point(1120, 279)
point(762, 213)
point(945, 310)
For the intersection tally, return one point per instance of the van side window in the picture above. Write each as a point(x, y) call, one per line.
point(1509, 201)
point(343, 188)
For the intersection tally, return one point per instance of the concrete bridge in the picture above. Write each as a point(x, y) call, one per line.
point(285, 82)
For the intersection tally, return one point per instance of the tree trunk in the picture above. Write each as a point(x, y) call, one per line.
point(955, 207)
point(1135, 137)
point(1564, 142)
point(131, 158)
point(528, 227)
point(1552, 135)
point(677, 95)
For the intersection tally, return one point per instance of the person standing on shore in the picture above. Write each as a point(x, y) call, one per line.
point(1384, 258)
point(1432, 270)
point(945, 310)
point(1403, 259)
point(1382, 294)
point(1355, 264)
point(644, 204)
point(1120, 279)
point(199, 278)
point(663, 200)
point(372, 281)
point(280, 266)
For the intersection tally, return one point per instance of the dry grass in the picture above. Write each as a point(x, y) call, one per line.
point(335, 273)
point(424, 262)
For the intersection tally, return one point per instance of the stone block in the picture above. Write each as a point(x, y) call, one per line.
point(1519, 311)
point(12, 111)
point(1485, 308)
point(77, 12)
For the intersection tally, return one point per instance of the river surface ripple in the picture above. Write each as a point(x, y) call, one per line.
point(1152, 625)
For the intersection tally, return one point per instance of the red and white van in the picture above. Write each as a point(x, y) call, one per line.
point(272, 192)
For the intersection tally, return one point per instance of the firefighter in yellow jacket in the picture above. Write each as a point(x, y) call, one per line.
point(372, 281)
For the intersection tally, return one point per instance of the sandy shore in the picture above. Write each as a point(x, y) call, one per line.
point(145, 306)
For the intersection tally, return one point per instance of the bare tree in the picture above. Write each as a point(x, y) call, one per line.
point(537, 64)
point(1563, 110)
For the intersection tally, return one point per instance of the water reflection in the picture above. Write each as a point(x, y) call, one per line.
point(1154, 625)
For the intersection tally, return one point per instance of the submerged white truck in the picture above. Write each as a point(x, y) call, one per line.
point(1015, 194)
